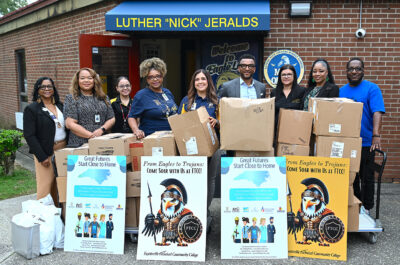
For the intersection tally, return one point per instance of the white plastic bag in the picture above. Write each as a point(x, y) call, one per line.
point(51, 227)
point(59, 230)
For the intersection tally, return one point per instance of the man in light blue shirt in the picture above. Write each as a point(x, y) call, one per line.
point(244, 86)
point(247, 91)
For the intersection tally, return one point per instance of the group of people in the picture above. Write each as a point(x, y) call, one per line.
point(254, 234)
point(87, 112)
point(94, 229)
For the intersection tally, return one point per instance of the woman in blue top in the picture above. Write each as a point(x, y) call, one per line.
point(201, 93)
point(153, 104)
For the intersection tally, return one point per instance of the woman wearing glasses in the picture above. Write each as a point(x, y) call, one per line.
point(321, 83)
point(87, 109)
point(121, 106)
point(44, 131)
point(288, 94)
point(153, 104)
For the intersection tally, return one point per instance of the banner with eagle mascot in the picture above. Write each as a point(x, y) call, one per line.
point(317, 206)
point(173, 209)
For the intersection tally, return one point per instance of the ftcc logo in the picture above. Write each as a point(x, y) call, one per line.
point(279, 58)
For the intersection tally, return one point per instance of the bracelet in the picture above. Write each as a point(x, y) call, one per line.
point(376, 135)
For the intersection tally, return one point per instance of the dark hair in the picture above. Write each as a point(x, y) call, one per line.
point(355, 59)
point(211, 94)
point(247, 56)
point(279, 85)
point(38, 83)
point(119, 79)
point(110, 215)
point(331, 80)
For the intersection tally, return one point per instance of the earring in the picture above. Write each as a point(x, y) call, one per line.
point(313, 80)
point(327, 79)
point(39, 99)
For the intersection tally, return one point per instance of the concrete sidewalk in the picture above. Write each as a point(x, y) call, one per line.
point(360, 251)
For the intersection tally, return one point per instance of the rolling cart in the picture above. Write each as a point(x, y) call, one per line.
point(132, 232)
point(367, 224)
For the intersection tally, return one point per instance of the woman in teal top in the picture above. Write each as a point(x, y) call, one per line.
point(102, 226)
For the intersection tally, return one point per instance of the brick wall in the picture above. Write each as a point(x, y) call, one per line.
point(51, 49)
point(330, 33)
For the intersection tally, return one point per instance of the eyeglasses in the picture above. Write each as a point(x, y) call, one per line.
point(250, 66)
point(44, 87)
point(154, 77)
point(357, 69)
point(124, 86)
point(287, 75)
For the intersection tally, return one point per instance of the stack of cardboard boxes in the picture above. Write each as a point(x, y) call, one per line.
point(337, 125)
point(116, 144)
point(247, 126)
point(61, 164)
point(294, 132)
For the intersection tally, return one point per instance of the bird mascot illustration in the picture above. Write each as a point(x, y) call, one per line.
point(171, 216)
point(313, 210)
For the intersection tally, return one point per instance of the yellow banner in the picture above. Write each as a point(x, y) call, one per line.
point(317, 206)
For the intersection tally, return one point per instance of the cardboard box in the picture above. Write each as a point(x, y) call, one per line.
point(133, 184)
point(292, 150)
point(62, 188)
point(131, 219)
point(62, 157)
point(255, 153)
point(115, 144)
point(352, 177)
point(137, 200)
point(161, 143)
point(137, 151)
point(294, 126)
point(194, 134)
point(341, 147)
point(336, 116)
point(247, 124)
point(353, 218)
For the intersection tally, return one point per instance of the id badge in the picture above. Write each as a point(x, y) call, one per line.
point(164, 97)
point(97, 118)
point(193, 106)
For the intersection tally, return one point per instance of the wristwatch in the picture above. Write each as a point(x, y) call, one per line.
point(103, 129)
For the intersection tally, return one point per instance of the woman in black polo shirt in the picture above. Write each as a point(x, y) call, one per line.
point(122, 105)
point(288, 94)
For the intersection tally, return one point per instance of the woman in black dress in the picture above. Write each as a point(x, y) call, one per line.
point(122, 105)
point(288, 94)
point(44, 131)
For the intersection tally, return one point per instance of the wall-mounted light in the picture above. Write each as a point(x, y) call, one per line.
point(300, 8)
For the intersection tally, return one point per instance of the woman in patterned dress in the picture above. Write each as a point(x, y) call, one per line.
point(87, 109)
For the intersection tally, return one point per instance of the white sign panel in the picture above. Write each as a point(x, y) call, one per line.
point(172, 224)
point(253, 208)
point(95, 217)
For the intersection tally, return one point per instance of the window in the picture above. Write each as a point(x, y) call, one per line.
point(22, 81)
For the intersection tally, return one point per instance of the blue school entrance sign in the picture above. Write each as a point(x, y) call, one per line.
point(195, 15)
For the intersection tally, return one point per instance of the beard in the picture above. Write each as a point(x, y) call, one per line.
point(355, 82)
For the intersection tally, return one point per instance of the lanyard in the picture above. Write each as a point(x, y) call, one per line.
point(122, 111)
point(56, 121)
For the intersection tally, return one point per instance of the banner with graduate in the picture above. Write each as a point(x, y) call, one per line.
point(95, 209)
point(253, 208)
point(173, 220)
point(317, 206)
